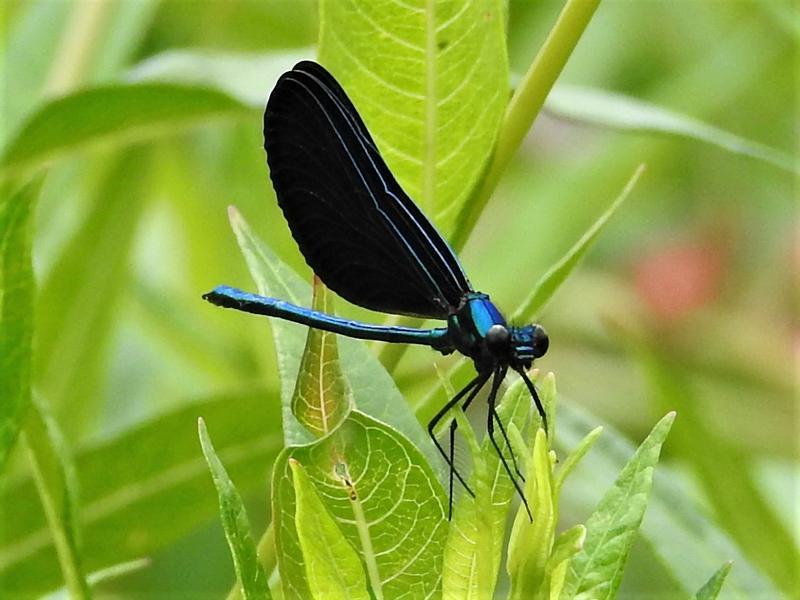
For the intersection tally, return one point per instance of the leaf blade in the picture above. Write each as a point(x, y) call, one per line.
point(377, 484)
point(333, 568)
point(56, 483)
point(112, 115)
point(618, 111)
point(435, 99)
point(252, 580)
point(163, 492)
point(596, 571)
point(16, 315)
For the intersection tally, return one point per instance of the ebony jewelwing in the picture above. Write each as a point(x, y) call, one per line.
point(368, 242)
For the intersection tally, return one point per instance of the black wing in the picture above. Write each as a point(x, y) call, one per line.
point(355, 226)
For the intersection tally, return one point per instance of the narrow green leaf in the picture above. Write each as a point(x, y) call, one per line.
point(374, 391)
point(686, 544)
point(56, 483)
point(246, 77)
point(102, 576)
point(78, 299)
point(321, 399)
point(617, 111)
point(333, 567)
point(475, 541)
point(596, 571)
point(525, 106)
point(384, 498)
point(713, 586)
point(575, 457)
point(718, 464)
point(16, 315)
point(112, 115)
point(566, 545)
point(249, 572)
point(158, 492)
point(530, 543)
point(549, 283)
point(431, 82)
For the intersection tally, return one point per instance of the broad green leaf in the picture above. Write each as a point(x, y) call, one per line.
point(54, 474)
point(385, 499)
point(374, 392)
point(683, 538)
point(596, 571)
point(78, 299)
point(713, 586)
point(549, 283)
point(430, 80)
point(250, 574)
point(113, 115)
point(476, 536)
point(16, 315)
point(610, 109)
point(157, 492)
point(333, 567)
point(321, 399)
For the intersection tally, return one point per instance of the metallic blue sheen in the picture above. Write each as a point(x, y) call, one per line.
point(231, 297)
point(483, 313)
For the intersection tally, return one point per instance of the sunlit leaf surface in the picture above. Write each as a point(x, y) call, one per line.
point(384, 497)
point(430, 80)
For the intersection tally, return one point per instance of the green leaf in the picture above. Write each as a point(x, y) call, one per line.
point(113, 115)
point(385, 499)
point(713, 586)
point(531, 542)
point(78, 299)
point(575, 457)
point(158, 492)
point(475, 541)
point(333, 567)
point(16, 315)
point(54, 475)
point(567, 545)
point(720, 464)
point(102, 576)
point(321, 399)
point(596, 571)
point(249, 572)
point(374, 392)
point(245, 77)
point(618, 111)
point(549, 283)
point(685, 543)
point(431, 83)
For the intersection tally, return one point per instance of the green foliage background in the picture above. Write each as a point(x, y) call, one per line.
point(130, 229)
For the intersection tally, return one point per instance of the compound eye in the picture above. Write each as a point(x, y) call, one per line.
point(540, 341)
point(497, 338)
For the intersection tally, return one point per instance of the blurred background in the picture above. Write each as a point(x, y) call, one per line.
point(687, 302)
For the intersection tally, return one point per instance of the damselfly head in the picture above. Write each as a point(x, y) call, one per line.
point(529, 342)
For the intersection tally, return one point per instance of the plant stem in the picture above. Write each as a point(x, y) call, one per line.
point(525, 106)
